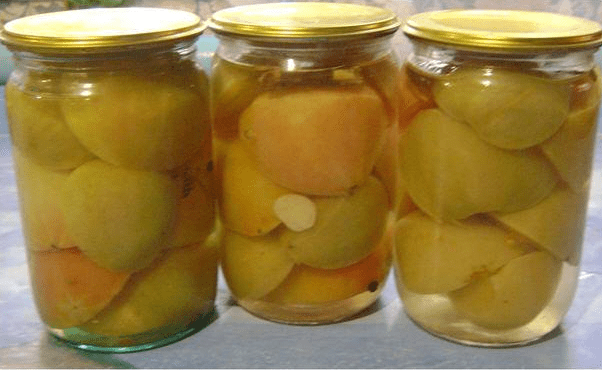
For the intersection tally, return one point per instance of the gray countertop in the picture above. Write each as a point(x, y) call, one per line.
point(381, 337)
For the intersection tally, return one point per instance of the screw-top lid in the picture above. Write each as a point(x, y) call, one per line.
point(504, 30)
point(99, 29)
point(304, 20)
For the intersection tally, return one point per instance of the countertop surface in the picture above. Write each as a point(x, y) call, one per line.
point(381, 337)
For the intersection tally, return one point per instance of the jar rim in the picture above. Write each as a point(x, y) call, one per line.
point(98, 30)
point(504, 30)
point(297, 21)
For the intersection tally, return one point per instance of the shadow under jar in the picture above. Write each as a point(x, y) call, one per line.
point(108, 114)
point(498, 118)
point(304, 106)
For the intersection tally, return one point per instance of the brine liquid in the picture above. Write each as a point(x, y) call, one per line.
point(495, 163)
point(114, 173)
point(306, 161)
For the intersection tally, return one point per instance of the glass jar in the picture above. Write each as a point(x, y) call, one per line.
point(304, 125)
point(109, 119)
point(498, 118)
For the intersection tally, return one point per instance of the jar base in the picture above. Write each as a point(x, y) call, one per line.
point(84, 340)
point(310, 314)
point(473, 336)
point(435, 314)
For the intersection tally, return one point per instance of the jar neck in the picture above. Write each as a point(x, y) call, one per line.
point(128, 58)
point(304, 55)
point(558, 64)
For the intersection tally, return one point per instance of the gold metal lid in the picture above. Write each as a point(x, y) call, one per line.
point(304, 20)
point(504, 30)
point(99, 29)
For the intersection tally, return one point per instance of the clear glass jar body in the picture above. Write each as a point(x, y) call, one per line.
point(113, 164)
point(305, 141)
point(496, 153)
